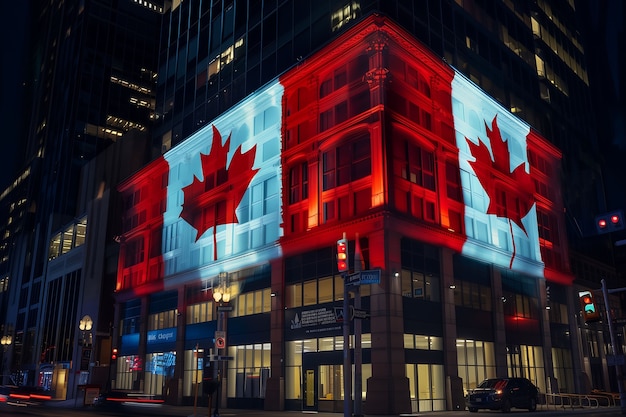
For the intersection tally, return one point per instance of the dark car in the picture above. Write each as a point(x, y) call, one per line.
point(503, 394)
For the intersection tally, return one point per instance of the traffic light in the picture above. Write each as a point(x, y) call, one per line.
point(342, 255)
point(589, 308)
point(114, 354)
point(610, 222)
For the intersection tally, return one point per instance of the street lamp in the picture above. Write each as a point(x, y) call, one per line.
point(221, 296)
point(5, 341)
point(85, 325)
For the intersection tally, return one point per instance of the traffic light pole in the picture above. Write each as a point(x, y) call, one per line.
point(347, 365)
point(618, 366)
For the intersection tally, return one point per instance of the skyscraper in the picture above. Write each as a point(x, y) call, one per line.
point(91, 77)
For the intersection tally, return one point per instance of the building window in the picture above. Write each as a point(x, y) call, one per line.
point(426, 386)
point(200, 313)
point(476, 361)
point(453, 182)
point(193, 373)
point(423, 342)
point(416, 165)
point(72, 237)
point(472, 295)
point(420, 285)
point(298, 183)
point(253, 302)
point(547, 225)
point(527, 362)
point(348, 162)
point(128, 368)
point(250, 370)
point(134, 252)
point(163, 320)
point(563, 369)
point(159, 369)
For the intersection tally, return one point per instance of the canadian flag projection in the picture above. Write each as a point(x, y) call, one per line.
point(224, 191)
point(500, 212)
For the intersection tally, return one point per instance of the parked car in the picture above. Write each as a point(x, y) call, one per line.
point(503, 394)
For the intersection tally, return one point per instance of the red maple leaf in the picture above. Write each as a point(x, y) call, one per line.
point(213, 199)
point(515, 186)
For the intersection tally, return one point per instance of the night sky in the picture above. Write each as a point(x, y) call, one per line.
point(606, 52)
point(14, 34)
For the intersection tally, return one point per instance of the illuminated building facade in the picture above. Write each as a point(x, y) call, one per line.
point(454, 199)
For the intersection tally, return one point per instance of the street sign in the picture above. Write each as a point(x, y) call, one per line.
point(359, 314)
point(353, 279)
point(371, 276)
point(220, 342)
point(224, 308)
point(217, 358)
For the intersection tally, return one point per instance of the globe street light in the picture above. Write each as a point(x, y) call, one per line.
point(6, 340)
point(85, 325)
point(221, 296)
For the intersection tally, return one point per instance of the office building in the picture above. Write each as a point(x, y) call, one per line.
point(92, 81)
point(451, 199)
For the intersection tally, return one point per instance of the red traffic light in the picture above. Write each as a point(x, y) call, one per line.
point(588, 307)
point(610, 222)
point(114, 354)
point(342, 255)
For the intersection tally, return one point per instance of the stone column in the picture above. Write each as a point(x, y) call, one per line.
point(388, 387)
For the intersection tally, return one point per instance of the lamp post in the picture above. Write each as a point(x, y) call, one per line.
point(5, 341)
point(221, 296)
point(85, 325)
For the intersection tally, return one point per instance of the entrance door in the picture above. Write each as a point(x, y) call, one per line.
point(309, 390)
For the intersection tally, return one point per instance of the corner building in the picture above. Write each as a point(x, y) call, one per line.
point(452, 198)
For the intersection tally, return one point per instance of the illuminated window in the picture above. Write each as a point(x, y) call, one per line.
point(453, 181)
point(476, 361)
point(134, 252)
point(163, 320)
point(200, 313)
point(348, 162)
point(416, 165)
point(298, 183)
point(344, 14)
point(250, 369)
point(54, 249)
point(419, 285)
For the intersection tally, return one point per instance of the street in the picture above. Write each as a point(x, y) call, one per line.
point(68, 409)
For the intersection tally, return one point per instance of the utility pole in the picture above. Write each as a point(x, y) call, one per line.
point(618, 366)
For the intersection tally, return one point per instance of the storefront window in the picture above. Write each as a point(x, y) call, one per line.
point(426, 386)
point(293, 369)
point(476, 361)
point(249, 371)
point(128, 368)
point(193, 372)
point(159, 371)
